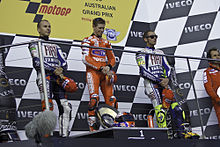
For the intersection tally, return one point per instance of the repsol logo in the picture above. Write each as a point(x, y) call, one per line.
point(80, 85)
point(184, 85)
point(140, 116)
point(131, 88)
point(27, 114)
point(54, 10)
point(204, 111)
point(17, 82)
point(136, 34)
point(179, 4)
point(198, 28)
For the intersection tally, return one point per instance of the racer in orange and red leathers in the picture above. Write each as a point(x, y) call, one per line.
point(99, 63)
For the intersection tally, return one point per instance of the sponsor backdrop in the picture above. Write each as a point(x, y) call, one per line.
point(185, 27)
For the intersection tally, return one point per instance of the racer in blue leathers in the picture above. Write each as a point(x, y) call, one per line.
point(156, 73)
point(57, 84)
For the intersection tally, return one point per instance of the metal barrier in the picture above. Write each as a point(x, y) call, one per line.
point(39, 42)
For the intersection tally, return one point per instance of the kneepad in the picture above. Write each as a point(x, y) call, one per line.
point(112, 102)
point(161, 116)
point(93, 123)
point(93, 102)
point(178, 117)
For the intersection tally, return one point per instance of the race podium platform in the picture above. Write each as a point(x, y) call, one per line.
point(117, 137)
point(127, 133)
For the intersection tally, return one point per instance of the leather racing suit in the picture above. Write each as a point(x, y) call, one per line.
point(56, 87)
point(94, 59)
point(212, 82)
point(152, 68)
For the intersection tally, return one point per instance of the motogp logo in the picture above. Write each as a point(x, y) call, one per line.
point(111, 34)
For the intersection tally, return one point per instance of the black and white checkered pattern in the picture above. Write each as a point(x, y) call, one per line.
point(184, 27)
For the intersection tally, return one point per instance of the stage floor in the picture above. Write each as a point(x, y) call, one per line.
point(114, 137)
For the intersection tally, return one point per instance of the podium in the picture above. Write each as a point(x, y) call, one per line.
point(127, 133)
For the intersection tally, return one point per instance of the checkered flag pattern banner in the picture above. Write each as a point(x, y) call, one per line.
point(184, 27)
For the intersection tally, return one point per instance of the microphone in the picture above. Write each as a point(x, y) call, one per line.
point(42, 124)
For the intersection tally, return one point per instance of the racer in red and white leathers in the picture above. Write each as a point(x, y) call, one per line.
point(96, 61)
point(212, 83)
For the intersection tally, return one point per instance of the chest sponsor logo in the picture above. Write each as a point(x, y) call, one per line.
point(156, 60)
point(98, 52)
point(98, 59)
point(50, 51)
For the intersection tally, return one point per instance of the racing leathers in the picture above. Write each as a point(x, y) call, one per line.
point(212, 82)
point(95, 59)
point(152, 68)
point(56, 85)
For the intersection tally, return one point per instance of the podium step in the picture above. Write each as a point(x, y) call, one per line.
point(127, 133)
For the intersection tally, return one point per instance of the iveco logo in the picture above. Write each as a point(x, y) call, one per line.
point(65, 55)
point(17, 82)
point(140, 116)
point(197, 28)
point(117, 59)
point(184, 85)
point(178, 4)
point(125, 88)
point(202, 112)
point(27, 114)
point(80, 85)
point(213, 137)
point(82, 115)
point(136, 34)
